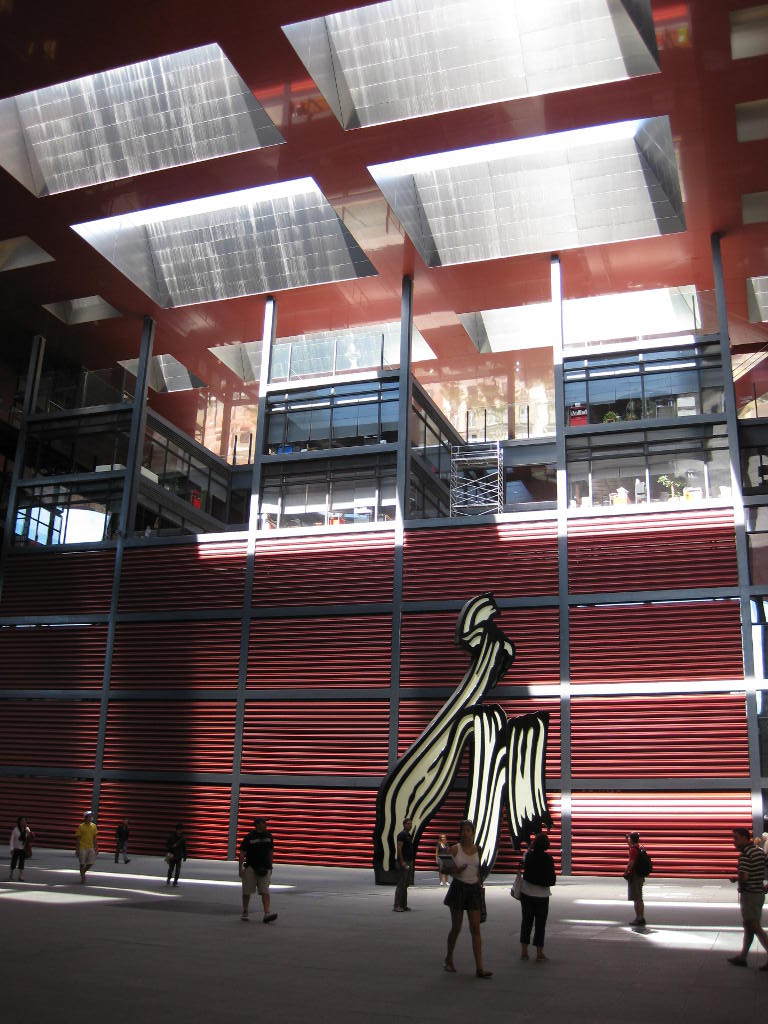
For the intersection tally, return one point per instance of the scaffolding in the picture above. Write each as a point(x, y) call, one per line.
point(477, 479)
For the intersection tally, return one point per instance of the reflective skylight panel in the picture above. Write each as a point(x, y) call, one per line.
point(166, 374)
point(757, 299)
point(585, 187)
point(408, 58)
point(161, 113)
point(243, 243)
point(82, 311)
point(19, 252)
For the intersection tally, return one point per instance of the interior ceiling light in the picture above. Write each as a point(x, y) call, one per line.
point(611, 183)
point(166, 373)
point(160, 113)
point(19, 252)
point(243, 243)
point(82, 311)
point(757, 299)
point(408, 58)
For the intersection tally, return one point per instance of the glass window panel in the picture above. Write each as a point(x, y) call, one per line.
point(312, 357)
point(390, 411)
point(358, 353)
point(368, 420)
point(297, 431)
point(344, 422)
point(320, 427)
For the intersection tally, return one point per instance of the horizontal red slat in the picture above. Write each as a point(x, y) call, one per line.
point(56, 581)
point(415, 715)
point(153, 808)
point(508, 559)
point(49, 733)
point(149, 655)
point(316, 737)
point(337, 651)
point(53, 809)
point(170, 735)
point(643, 643)
point(652, 552)
point(430, 656)
point(356, 568)
point(686, 834)
point(313, 826)
point(52, 657)
point(661, 737)
point(183, 576)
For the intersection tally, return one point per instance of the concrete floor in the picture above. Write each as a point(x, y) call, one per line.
point(127, 949)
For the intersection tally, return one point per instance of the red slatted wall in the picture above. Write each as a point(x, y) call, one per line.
point(508, 559)
point(58, 582)
point(183, 576)
point(450, 815)
point(430, 657)
point(49, 733)
point(339, 737)
point(645, 643)
point(53, 809)
point(153, 808)
point(666, 551)
point(345, 569)
point(687, 736)
point(338, 651)
point(170, 735)
point(52, 657)
point(148, 655)
point(686, 834)
point(313, 826)
point(415, 715)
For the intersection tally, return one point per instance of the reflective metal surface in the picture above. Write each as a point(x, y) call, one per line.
point(166, 374)
point(757, 299)
point(82, 311)
point(407, 58)
point(161, 113)
point(16, 253)
point(585, 187)
point(244, 243)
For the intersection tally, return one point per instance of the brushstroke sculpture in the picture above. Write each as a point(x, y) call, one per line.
point(507, 755)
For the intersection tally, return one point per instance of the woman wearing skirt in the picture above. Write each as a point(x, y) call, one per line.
point(465, 893)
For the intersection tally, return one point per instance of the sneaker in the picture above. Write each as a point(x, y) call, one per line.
point(399, 910)
point(737, 961)
point(638, 921)
point(243, 917)
point(268, 918)
point(127, 860)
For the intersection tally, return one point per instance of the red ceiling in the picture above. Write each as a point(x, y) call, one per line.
point(44, 43)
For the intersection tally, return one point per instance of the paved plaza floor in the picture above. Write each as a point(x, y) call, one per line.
point(125, 948)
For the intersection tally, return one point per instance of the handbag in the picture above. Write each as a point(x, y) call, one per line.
point(517, 886)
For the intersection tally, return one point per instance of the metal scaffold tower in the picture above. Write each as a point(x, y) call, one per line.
point(477, 479)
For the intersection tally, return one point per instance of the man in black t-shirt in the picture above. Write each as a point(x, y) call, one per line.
point(255, 867)
point(404, 861)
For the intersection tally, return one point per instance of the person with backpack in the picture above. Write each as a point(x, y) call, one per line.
point(638, 868)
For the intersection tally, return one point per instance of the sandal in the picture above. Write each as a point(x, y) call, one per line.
point(448, 966)
point(483, 974)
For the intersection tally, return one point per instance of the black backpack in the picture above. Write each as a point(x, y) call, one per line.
point(643, 864)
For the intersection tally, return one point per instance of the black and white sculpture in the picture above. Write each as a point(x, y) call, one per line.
point(508, 756)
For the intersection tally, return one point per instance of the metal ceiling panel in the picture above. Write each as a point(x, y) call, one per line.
point(408, 58)
point(757, 299)
point(161, 113)
point(244, 243)
point(166, 374)
point(82, 311)
point(19, 252)
point(586, 187)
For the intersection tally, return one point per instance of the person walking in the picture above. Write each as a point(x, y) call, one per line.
point(441, 850)
point(86, 844)
point(257, 852)
point(404, 861)
point(176, 852)
point(538, 877)
point(122, 834)
point(21, 838)
point(635, 880)
point(751, 872)
point(465, 893)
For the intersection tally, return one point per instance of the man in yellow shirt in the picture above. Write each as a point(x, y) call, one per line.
point(87, 845)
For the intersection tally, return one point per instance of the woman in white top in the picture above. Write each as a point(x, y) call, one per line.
point(465, 893)
point(538, 877)
point(20, 836)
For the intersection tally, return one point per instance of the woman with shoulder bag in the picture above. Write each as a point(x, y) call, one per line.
point(538, 876)
point(465, 893)
point(21, 847)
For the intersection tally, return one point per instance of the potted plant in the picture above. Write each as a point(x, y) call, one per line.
point(611, 417)
point(674, 483)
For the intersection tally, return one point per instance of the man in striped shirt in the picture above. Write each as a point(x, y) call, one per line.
point(751, 874)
